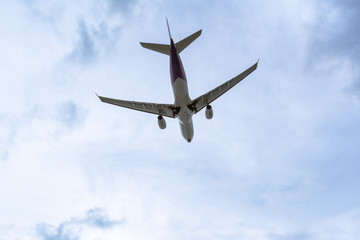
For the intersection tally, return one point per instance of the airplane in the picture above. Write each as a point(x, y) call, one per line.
point(184, 107)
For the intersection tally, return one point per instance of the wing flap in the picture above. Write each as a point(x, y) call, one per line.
point(205, 99)
point(166, 110)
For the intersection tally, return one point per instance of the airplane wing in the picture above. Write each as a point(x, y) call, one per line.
point(202, 101)
point(166, 110)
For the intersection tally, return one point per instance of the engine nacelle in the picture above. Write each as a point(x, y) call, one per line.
point(161, 122)
point(209, 112)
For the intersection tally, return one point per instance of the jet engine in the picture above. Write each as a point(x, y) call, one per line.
point(161, 122)
point(209, 112)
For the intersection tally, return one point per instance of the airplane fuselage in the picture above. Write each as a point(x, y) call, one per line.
point(181, 93)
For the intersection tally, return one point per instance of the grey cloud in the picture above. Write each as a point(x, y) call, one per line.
point(93, 40)
point(293, 236)
point(8, 130)
point(84, 50)
point(336, 32)
point(4, 154)
point(97, 218)
point(66, 115)
point(121, 6)
point(335, 38)
point(71, 229)
point(105, 35)
point(92, 36)
point(69, 113)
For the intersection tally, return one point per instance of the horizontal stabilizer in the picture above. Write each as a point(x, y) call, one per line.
point(165, 48)
point(161, 48)
point(181, 45)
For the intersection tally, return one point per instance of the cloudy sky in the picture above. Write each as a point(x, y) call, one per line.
point(279, 160)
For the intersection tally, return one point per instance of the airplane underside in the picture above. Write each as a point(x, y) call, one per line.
point(184, 107)
point(182, 100)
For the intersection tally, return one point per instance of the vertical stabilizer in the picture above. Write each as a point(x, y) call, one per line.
point(167, 23)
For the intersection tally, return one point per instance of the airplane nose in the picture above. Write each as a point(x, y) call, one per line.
point(189, 140)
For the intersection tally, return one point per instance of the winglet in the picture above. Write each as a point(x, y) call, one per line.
point(98, 97)
point(256, 64)
point(167, 23)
